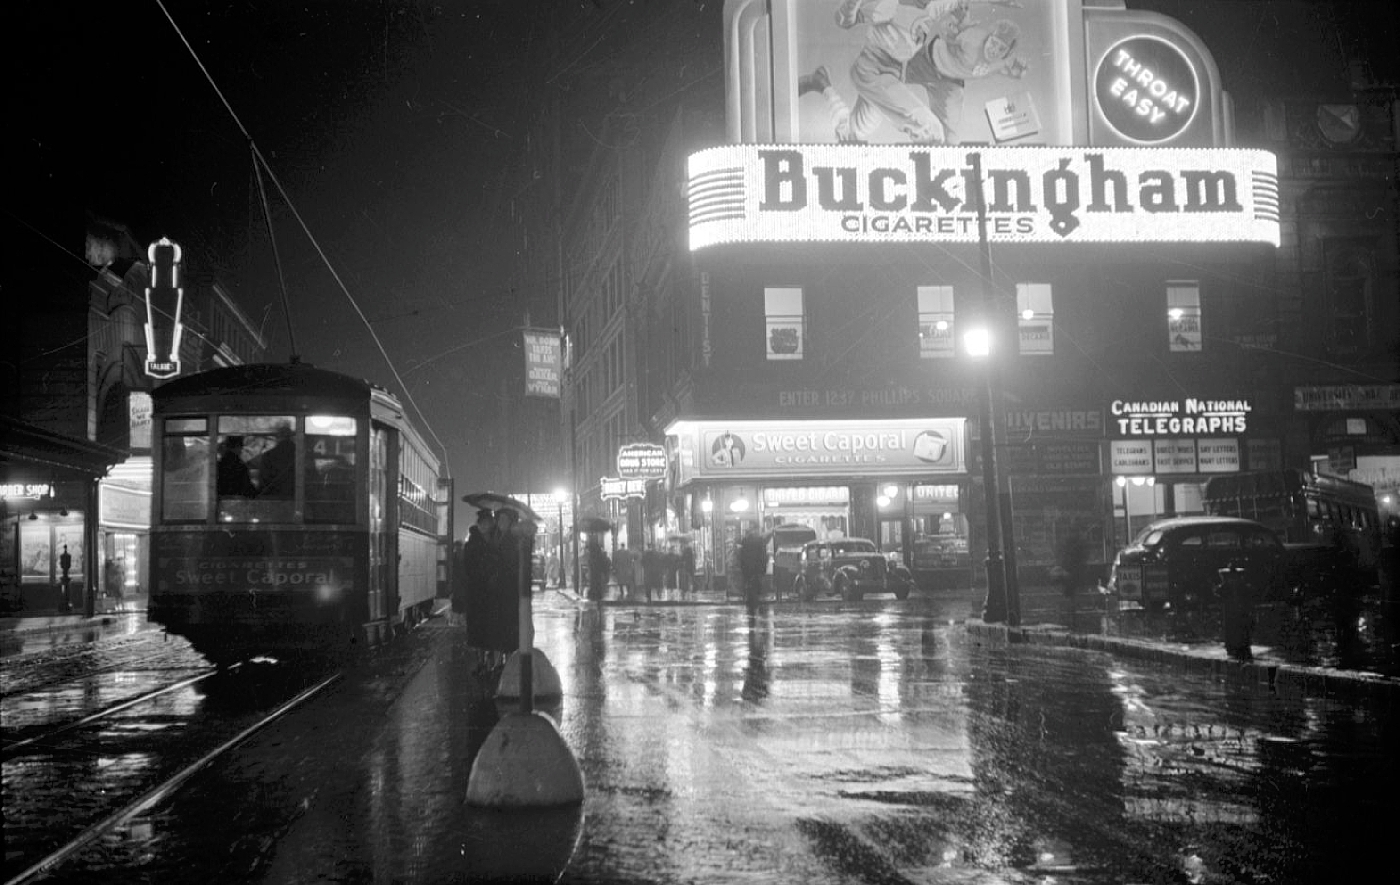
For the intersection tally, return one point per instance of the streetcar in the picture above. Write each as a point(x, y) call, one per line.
point(296, 512)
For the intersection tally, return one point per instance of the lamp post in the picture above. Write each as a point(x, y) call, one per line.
point(559, 496)
point(1003, 602)
point(708, 507)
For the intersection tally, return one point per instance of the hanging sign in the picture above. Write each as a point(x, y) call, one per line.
point(641, 461)
point(614, 488)
point(165, 302)
point(543, 363)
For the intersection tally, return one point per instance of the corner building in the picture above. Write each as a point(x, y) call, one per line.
point(1179, 283)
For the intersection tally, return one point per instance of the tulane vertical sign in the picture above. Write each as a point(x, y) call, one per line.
point(543, 361)
point(165, 302)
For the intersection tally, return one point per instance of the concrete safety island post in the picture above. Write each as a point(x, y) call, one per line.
point(525, 762)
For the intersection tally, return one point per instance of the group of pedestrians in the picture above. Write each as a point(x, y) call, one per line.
point(651, 570)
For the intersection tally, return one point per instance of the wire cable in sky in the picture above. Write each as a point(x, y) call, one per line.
point(277, 183)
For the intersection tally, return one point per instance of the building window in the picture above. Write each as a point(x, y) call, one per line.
point(786, 324)
point(1184, 316)
point(935, 321)
point(1035, 318)
point(1347, 312)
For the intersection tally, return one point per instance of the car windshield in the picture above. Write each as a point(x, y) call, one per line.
point(841, 547)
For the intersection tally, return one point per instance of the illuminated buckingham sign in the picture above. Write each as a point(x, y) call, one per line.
point(913, 194)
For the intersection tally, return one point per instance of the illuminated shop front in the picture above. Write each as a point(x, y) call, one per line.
point(833, 476)
point(48, 493)
point(1163, 451)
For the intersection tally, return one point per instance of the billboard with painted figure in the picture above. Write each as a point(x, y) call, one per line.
point(924, 71)
point(951, 72)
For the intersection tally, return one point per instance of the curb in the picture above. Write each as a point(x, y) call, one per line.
point(1292, 680)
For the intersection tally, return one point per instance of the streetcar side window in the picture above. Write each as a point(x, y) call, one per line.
point(185, 465)
point(329, 469)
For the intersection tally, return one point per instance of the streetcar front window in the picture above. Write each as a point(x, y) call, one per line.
point(185, 470)
point(257, 468)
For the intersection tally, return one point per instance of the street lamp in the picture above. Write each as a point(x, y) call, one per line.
point(707, 507)
point(1003, 602)
point(559, 497)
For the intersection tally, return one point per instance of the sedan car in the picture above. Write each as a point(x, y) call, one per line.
point(850, 567)
point(1176, 562)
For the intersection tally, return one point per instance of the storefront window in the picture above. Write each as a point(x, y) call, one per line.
point(42, 543)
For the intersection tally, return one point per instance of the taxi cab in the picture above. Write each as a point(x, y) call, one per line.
point(1175, 563)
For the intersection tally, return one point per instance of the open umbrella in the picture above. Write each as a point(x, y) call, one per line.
point(494, 501)
point(594, 524)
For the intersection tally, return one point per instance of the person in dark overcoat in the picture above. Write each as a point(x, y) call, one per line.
point(598, 567)
point(753, 564)
point(687, 572)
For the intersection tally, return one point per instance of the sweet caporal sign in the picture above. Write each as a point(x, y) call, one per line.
point(913, 194)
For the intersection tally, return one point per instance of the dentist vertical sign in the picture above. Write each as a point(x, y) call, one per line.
point(165, 301)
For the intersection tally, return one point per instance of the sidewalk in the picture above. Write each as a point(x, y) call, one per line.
point(1310, 649)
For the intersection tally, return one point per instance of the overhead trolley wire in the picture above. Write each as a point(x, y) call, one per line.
point(261, 160)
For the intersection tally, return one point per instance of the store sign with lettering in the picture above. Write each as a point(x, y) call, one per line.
point(1146, 90)
point(747, 193)
point(31, 491)
point(1184, 417)
point(165, 304)
point(617, 488)
point(741, 449)
point(641, 461)
point(543, 362)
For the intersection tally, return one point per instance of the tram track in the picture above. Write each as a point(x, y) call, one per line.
point(163, 744)
point(11, 750)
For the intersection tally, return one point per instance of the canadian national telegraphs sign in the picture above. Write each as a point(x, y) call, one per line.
point(1035, 194)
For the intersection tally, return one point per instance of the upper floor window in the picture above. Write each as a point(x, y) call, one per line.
point(1035, 318)
point(1184, 316)
point(786, 329)
point(935, 321)
point(1347, 308)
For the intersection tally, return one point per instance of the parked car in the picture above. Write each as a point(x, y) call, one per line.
point(850, 567)
point(785, 549)
point(1176, 562)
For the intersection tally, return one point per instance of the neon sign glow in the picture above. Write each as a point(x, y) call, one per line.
point(916, 194)
point(162, 342)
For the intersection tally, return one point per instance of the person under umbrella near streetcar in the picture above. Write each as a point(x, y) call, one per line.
point(472, 571)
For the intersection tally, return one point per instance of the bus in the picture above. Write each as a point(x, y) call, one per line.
point(1303, 508)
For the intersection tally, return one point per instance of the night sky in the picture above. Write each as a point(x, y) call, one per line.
point(397, 129)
